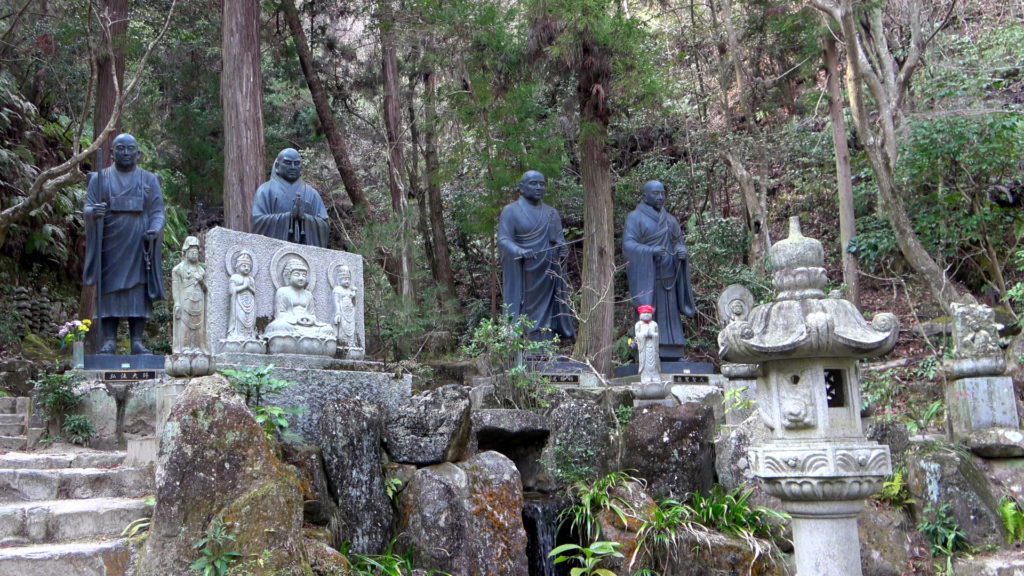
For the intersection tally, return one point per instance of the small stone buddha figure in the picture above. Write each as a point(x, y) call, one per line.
point(646, 334)
point(188, 287)
point(344, 297)
point(242, 335)
point(295, 329)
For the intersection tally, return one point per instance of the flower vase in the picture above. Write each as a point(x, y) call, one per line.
point(78, 355)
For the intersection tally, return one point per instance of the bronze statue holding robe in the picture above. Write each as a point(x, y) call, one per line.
point(658, 268)
point(532, 243)
point(124, 215)
point(287, 208)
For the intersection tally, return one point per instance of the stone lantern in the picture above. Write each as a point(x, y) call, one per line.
point(818, 462)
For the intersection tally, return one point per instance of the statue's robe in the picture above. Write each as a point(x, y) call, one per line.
point(272, 213)
point(660, 282)
point(127, 285)
point(534, 286)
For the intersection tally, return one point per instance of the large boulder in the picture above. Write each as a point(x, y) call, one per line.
point(520, 435)
point(431, 428)
point(937, 475)
point(672, 448)
point(889, 541)
point(215, 462)
point(465, 519)
point(580, 445)
point(350, 433)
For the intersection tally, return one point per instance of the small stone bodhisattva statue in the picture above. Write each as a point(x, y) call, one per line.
point(344, 300)
point(646, 333)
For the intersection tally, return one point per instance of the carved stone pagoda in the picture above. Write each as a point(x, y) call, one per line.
point(819, 462)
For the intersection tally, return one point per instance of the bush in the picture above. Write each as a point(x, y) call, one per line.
point(54, 393)
point(78, 429)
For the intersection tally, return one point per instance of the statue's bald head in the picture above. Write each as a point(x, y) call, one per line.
point(654, 194)
point(288, 164)
point(531, 186)
point(125, 151)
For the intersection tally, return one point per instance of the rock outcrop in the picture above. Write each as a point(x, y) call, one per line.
point(215, 462)
point(672, 448)
point(466, 518)
point(431, 428)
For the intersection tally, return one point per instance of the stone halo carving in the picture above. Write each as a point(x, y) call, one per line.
point(332, 277)
point(231, 259)
point(278, 262)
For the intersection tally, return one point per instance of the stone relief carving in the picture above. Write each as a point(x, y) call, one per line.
point(295, 328)
point(343, 299)
point(796, 404)
point(242, 336)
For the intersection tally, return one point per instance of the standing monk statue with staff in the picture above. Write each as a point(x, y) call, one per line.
point(532, 243)
point(287, 208)
point(658, 268)
point(124, 215)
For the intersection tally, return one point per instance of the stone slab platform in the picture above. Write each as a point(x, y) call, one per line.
point(314, 389)
point(124, 362)
point(297, 361)
point(681, 367)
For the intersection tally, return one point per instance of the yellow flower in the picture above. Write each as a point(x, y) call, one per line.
point(87, 322)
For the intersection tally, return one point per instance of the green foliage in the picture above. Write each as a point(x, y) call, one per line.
point(895, 493)
point(215, 549)
point(504, 345)
point(734, 400)
point(590, 499)
point(137, 529)
point(389, 563)
point(256, 383)
point(78, 429)
point(718, 247)
point(940, 530)
point(623, 414)
point(54, 392)
point(731, 513)
point(588, 557)
point(920, 420)
point(1012, 516)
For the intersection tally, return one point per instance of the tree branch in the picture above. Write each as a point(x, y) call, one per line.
point(48, 182)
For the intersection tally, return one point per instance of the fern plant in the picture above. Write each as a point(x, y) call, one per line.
point(1013, 519)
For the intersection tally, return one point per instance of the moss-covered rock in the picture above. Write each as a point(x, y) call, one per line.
point(215, 462)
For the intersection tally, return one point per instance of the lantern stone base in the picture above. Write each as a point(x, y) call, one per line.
point(823, 533)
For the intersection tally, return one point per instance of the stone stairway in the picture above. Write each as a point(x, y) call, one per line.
point(13, 422)
point(63, 513)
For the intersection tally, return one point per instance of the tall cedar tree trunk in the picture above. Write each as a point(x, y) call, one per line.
point(392, 126)
point(442, 257)
point(109, 81)
point(241, 93)
point(755, 193)
point(844, 181)
point(339, 149)
point(871, 65)
point(597, 312)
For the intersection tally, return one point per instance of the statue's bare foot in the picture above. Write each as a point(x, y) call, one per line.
point(138, 348)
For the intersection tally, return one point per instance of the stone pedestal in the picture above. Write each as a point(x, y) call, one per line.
point(983, 416)
point(822, 533)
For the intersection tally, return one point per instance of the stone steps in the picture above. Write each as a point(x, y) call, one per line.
point(9, 443)
point(113, 558)
point(74, 484)
point(68, 520)
point(36, 461)
point(63, 514)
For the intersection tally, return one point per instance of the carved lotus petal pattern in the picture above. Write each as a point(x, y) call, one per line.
point(819, 489)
